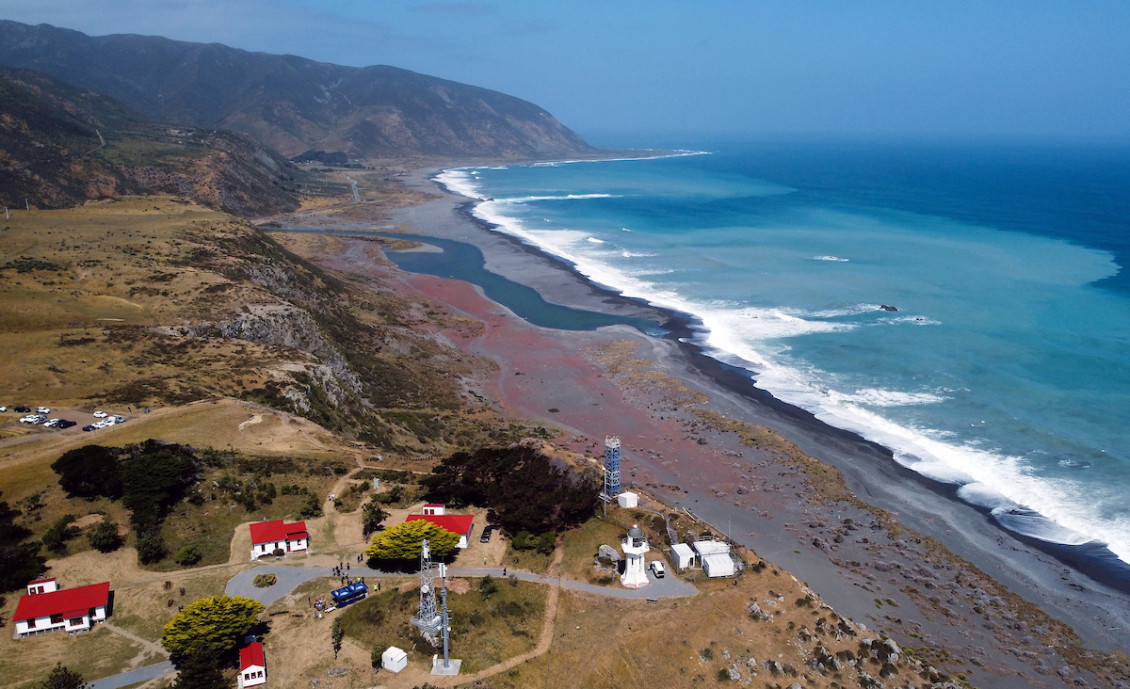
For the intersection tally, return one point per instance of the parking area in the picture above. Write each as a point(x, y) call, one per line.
point(27, 418)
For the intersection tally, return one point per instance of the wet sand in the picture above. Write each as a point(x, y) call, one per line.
point(883, 568)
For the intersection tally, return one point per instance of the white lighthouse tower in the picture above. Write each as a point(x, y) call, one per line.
point(635, 545)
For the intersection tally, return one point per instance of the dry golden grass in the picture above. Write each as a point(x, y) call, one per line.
point(24, 663)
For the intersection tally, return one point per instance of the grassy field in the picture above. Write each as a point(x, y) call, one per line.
point(486, 629)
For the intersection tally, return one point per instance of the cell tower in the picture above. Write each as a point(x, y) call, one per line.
point(428, 619)
point(611, 469)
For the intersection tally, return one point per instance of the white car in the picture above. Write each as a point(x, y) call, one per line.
point(657, 569)
point(28, 419)
point(42, 410)
point(116, 419)
point(51, 423)
point(102, 423)
point(100, 415)
point(3, 408)
point(35, 419)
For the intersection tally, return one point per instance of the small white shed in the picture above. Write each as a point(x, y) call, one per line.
point(718, 565)
point(394, 659)
point(628, 500)
point(682, 556)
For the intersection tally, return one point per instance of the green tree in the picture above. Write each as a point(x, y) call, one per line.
point(62, 677)
point(337, 635)
point(371, 517)
point(200, 668)
point(150, 547)
point(89, 472)
point(188, 555)
point(104, 537)
point(56, 537)
point(221, 622)
point(402, 542)
point(20, 561)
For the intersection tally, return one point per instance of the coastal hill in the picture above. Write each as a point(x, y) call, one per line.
point(61, 146)
point(292, 104)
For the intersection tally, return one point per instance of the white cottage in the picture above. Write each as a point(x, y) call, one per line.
point(267, 537)
point(50, 609)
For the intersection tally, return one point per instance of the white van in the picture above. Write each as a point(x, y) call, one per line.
point(657, 569)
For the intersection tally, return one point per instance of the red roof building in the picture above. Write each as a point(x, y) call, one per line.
point(267, 537)
point(72, 610)
point(252, 665)
point(459, 524)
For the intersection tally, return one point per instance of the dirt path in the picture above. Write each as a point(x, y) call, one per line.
point(149, 648)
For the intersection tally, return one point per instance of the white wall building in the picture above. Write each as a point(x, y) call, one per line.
point(628, 500)
point(394, 659)
point(70, 610)
point(682, 556)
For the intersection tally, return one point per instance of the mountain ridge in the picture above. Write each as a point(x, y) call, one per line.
point(62, 145)
point(290, 103)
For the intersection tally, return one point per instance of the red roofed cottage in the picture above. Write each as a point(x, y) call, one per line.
point(266, 537)
point(72, 610)
point(459, 524)
point(252, 665)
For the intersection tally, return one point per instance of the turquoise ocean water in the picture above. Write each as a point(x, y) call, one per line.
point(1004, 371)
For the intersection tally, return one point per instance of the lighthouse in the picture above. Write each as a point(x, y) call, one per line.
point(635, 545)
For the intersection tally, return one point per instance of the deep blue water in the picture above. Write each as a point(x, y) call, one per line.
point(1004, 370)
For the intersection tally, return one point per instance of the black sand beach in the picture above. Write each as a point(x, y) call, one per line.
point(894, 581)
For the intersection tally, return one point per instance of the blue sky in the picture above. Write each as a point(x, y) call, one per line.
point(636, 73)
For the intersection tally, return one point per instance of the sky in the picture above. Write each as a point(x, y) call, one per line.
point(623, 72)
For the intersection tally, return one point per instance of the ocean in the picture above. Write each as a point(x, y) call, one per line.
point(964, 306)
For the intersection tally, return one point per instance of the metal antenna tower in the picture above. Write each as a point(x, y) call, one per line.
point(611, 471)
point(428, 619)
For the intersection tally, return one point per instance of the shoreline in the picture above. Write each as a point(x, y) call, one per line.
point(1091, 559)
point(1029, 566)
point(865, 565)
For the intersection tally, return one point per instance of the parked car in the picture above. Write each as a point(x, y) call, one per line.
point(21, 409)
point(51, 423)
point(116, 419)
point(65, 423)
point(657, 569)
point(42, 410)
point(35, 419)
point(100, 414)
point(88, 428)
point(487, 530)
point(3, 408)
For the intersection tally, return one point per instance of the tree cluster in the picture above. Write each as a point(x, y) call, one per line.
point(522, 490)
point(149, 478)
point(20, 561)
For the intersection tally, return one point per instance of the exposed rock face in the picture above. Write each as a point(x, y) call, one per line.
point(289, 103)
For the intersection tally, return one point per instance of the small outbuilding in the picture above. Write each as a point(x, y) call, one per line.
point(718, 565)
point(394, 659)
point(682, 556)
point(252, 665)
point(628, 500)
point(714, 556)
